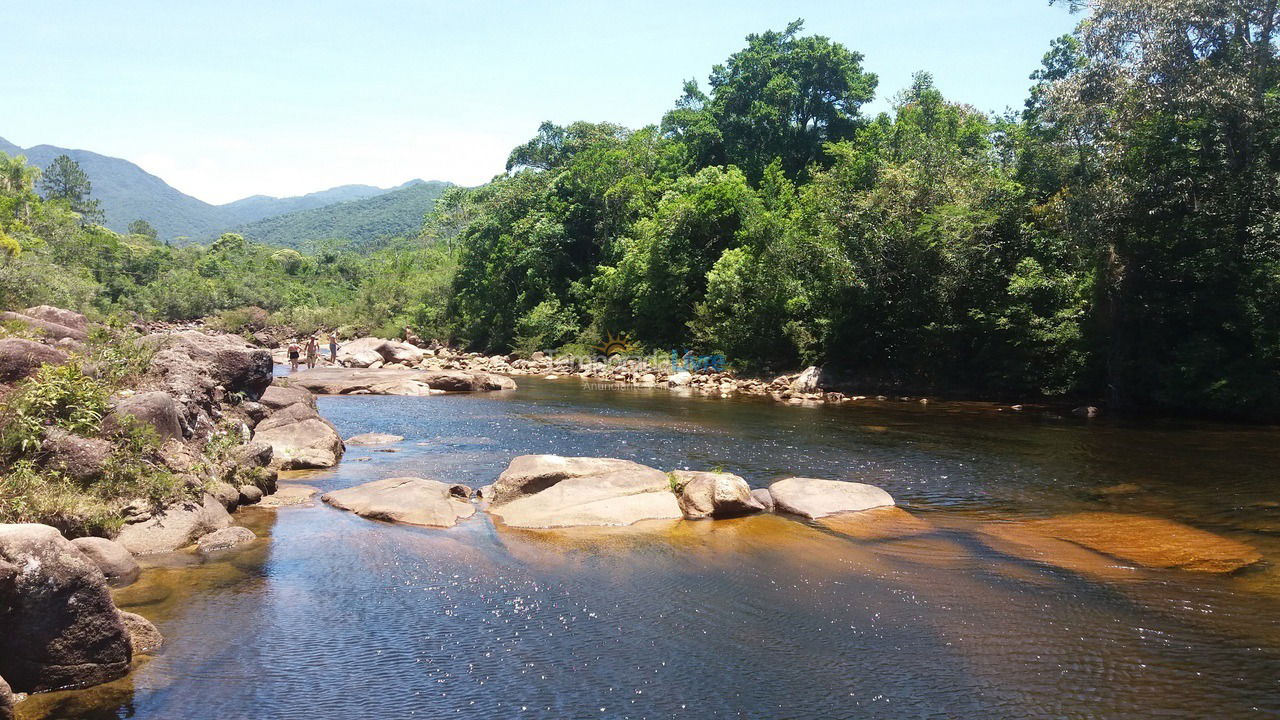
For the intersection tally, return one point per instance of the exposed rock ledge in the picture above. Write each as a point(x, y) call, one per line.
point(382, 381)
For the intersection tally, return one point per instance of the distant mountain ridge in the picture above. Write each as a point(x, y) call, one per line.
point(362, 222)
point(126, 193)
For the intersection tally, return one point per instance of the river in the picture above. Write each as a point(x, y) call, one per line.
point(761, 617)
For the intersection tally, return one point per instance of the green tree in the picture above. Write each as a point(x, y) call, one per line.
point(142, 228)
point(64, 180)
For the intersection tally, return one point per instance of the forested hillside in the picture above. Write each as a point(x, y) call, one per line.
point(1117, 238)
point(126, 192)
point(361, 222)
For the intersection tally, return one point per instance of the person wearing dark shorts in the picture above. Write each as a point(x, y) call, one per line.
point(295, 352)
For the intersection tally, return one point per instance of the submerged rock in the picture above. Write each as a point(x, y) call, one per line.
point(143, 635)
point(813, 498)
point(1146, 541)
point(113, 559)
point(880, 523)
point(714, 495)
point(175, 527)
point(374, 439)
point(288, 496)
point(58, 625)
point(225, 539)
point(546, 491)
point(410, 500)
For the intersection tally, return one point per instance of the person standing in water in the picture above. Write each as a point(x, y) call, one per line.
point(333, 346)
point(294, 353)
point(313, 352)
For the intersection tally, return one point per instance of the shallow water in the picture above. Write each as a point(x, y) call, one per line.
point(760, 617)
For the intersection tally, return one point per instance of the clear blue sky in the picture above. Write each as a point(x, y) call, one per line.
point(280, 97)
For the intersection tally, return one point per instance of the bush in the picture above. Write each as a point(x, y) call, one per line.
point(57, 395)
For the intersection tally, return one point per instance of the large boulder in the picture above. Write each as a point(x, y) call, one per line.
point(278, 397)
point(21, 358)
point(1146, 541)
point(388, 381)
point(201, 370)
point(80, 458)
point(175, 527)
point(65, 318)
point(364, 352)
point(410, 500)
point(714, 495)
point(113, 559)
point(49, 330)
point(545, 491)
point(58, 625)
point(300, 439)
point(813, 498)
point(157, 409)
point(809, 381)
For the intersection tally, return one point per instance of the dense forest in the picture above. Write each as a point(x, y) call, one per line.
point(1116, 238)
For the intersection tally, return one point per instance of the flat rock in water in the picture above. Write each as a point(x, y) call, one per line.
point(374, 439)
point(1147, 541)
point(409, 500)
point(549, 491)
point(388, 381)
point(289, 496)
point(814, 498)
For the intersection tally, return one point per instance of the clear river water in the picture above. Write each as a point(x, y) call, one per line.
point(335, 616)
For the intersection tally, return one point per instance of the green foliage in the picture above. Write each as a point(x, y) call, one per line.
point(58, 396)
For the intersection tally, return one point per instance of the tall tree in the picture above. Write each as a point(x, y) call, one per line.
point(64, 180)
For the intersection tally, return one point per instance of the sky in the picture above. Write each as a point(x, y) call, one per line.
point(233, 98)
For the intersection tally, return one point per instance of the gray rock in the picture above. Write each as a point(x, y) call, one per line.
point(201, 370)
point(253, 454)
point(225, 493)
point(809, 381)
point(814, 498)
point(225, 539)
point(714, 495)
point(764, 497)
point(250, 494)
point(300, 439)
point(21, 358)
point(50, 330)
point(544, 491)
point(80, 458)
point(348, 381)
point(59, 627)
point(278, 397)
point(410, 500)
point(65, 318)
point(143, 636)
point(112, 558)
point(175, 527)
point(157, 409)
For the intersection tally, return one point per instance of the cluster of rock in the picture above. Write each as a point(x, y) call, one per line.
point(551, 491)
point(59, 627)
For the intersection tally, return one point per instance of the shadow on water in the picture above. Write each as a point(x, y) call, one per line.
point(914, 615)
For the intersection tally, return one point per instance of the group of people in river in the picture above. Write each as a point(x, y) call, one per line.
point(312, 349)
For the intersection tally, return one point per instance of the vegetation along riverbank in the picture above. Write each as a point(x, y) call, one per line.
point(1111, 241)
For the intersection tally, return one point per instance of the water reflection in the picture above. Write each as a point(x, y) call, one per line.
point(933, 614)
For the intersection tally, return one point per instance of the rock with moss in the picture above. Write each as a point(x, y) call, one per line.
point(157, 409)
point(80, 458)
point(144, 637)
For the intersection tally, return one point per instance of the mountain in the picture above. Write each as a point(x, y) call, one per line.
point(395, 213)
point(126, 193)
